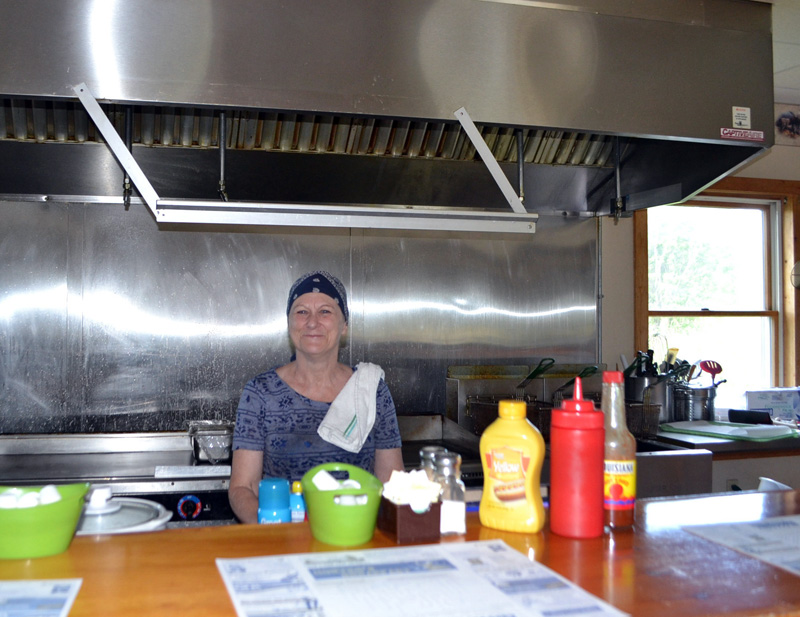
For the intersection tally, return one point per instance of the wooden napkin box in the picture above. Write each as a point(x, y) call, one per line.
point(406, 525)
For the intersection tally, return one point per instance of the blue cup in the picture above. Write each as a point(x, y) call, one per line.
point(273, 501)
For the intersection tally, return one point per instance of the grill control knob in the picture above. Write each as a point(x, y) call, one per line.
point(189, 507)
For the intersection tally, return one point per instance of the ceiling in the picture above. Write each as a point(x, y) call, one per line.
point(786, 50)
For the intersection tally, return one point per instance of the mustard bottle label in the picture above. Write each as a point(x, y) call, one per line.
point(508, 468)
point(619, 485)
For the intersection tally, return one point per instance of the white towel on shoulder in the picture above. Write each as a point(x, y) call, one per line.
point(351, 415)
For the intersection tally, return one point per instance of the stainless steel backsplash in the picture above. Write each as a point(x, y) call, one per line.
point(110, 323)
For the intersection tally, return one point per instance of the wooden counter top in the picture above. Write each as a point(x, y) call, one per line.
point(658, 569)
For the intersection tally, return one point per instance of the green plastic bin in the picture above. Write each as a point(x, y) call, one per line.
point(332, 520)
point(42, 530)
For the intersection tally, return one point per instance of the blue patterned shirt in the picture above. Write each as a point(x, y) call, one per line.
point(281, 423)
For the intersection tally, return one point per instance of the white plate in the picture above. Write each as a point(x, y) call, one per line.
point(134, 516)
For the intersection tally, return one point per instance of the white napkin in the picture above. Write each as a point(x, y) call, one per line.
point(351, 415)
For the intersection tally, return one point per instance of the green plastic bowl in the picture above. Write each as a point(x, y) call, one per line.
point(42, 530)
point(338, 524)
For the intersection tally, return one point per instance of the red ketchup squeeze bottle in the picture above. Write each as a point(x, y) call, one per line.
point(577, 446)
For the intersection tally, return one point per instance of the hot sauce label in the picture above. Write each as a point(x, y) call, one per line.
point(619, 485)
point(507, 469)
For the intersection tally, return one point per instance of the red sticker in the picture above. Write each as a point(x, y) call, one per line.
point(741, 134)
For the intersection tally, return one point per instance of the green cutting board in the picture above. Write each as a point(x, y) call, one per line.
point(731, 430)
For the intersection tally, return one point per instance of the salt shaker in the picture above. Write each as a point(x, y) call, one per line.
point(427, 454)
point(453, 517)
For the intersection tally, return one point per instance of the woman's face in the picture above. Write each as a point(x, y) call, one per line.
point(316, 324)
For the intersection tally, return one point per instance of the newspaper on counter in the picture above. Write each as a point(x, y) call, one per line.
point(775, 541)
point(38, 598)
point(470, 579)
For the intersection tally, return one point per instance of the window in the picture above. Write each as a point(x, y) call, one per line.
point(712, 293)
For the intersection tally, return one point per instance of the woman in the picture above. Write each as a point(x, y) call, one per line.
point(283, 413)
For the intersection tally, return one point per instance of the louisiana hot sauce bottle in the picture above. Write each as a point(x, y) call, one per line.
point(619, 465)
point(512, 453)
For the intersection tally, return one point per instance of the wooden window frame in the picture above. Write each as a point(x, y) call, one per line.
point(787, 194)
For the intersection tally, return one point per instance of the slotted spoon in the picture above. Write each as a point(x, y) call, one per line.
point(712, 368)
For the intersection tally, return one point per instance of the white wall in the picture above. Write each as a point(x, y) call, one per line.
point(780, 163)
point(745, 472)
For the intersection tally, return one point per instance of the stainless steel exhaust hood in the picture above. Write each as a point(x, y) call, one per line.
point(584, 104)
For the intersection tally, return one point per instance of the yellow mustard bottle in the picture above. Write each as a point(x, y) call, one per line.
point(512, 453)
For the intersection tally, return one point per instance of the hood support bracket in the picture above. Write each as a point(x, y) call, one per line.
point(315, 215)
point(488, 159)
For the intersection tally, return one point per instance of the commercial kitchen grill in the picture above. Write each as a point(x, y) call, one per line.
point(160, 467)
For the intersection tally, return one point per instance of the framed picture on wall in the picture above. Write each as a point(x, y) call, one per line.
point(787, 125)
